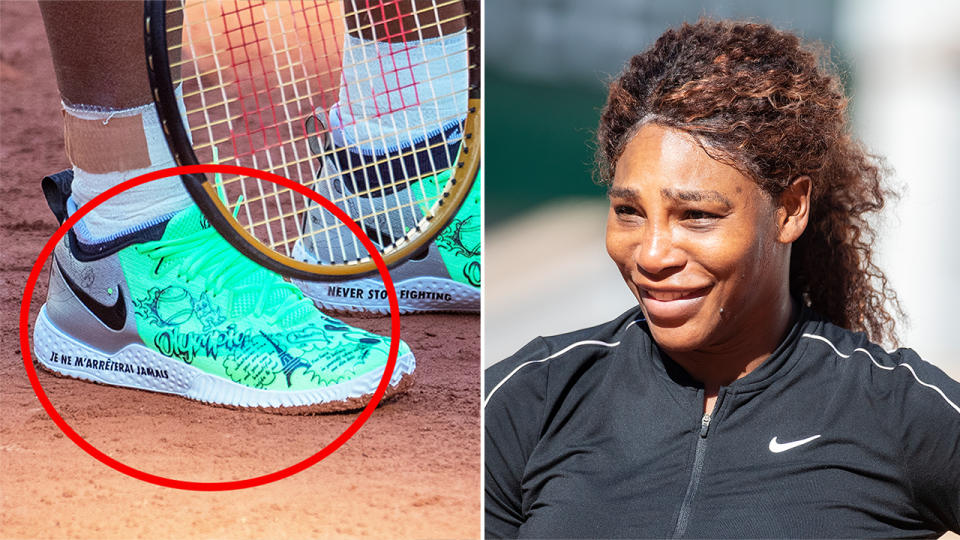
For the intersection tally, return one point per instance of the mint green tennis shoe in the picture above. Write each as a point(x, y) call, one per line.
point(443, 277)
point(172, 307)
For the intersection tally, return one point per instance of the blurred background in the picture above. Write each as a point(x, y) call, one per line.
point(547, 63)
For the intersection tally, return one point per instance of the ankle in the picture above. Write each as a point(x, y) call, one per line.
point(110, 146)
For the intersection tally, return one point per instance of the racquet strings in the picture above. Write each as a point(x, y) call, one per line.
point(259, 81)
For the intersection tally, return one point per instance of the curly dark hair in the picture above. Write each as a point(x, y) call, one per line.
point(758, 99)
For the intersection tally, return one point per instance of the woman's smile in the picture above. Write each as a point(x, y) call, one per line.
point(665, 304)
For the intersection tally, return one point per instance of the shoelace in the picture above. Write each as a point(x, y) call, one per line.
point(205, 252)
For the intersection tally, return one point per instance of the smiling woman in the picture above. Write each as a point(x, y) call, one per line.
point(743, 396)
point(705, 251)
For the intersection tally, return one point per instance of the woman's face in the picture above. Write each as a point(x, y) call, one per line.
point(698, 243)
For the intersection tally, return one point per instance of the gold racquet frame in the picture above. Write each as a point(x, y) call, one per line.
point(204, 191)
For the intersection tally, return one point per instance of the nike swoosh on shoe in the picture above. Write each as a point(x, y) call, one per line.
point(113, 317)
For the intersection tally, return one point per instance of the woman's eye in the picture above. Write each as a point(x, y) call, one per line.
point(700, 220)
point(700, 215)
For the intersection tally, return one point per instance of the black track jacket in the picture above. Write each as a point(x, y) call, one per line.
point(596, 434)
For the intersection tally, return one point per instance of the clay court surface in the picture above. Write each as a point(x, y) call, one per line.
point(412, 471)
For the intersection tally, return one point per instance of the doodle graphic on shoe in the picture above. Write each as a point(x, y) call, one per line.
point(202, 321)
point(460, 241)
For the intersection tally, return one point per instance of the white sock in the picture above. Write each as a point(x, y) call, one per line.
point(135, 207)
point(399, 93)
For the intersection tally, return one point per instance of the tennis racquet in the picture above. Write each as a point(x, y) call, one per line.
point(372, 104)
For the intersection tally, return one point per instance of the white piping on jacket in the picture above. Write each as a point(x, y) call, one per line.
point(554, 355)
point(888, 368)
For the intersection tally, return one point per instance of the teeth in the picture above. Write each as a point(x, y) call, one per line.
point(666, 296)
point(669, 296)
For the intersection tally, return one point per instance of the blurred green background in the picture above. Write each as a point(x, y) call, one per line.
point(540, 139)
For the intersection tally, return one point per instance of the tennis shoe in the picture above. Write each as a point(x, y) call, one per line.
point(444, 276)
point(171, 307)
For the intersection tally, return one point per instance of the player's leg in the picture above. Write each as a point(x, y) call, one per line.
point(405, 20)
point(97, 53)
point(403, 90)
point(144, 293)
point(395, 128)
point(111, 130)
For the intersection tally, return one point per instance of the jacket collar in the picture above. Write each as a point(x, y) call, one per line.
point(783, 359)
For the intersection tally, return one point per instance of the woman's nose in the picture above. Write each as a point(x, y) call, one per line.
point(657, 252)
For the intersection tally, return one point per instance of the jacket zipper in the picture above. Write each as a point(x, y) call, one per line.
point(687, 504)
point(686, 507)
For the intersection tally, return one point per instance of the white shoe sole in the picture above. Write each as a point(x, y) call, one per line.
point(416, 295)
point(136, 366)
